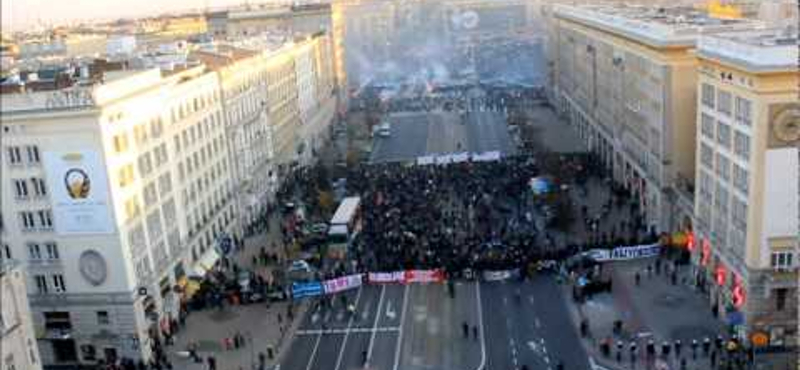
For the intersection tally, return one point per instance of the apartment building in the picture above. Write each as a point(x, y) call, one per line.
point(279, 101)
point(112, 194)
point(250, 20)
point(746, 206)
point(625, 77)
point(17, 340)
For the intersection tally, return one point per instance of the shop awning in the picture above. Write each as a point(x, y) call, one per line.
point(205, 262)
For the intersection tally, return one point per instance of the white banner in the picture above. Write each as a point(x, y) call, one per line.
point(625, 253)
point(428, 159)
point(486, 156)
point(444, 159)
point(386, 277)
point(460, 157)
point(79, 190)
point(341, 284)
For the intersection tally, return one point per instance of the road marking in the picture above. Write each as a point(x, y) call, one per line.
point(375, 326)
point(400, 336)
point(594, 366)
point(347, 334)
point(314, 318)
point(314, 352)
point(547, 359)
point(537, 323)
point(483, 330)
point(345, 331)
point(390, 313)
point(531, 299)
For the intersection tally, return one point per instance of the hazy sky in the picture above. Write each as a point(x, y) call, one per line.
point(19, 14)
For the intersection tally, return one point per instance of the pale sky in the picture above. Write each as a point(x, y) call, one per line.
point(20, 14)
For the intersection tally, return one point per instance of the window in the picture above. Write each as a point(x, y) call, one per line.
point(165, 184)
point(28, 220)
point(723, 166)
point(140, 134)
point(121, 143)
point(33, 153)
point(156, 127)
point(150, 194)
point(145, 164)
point(39, 188)
point(5, 252)
point(161, 155)
point(58, 283)
point(724, 102)
point(14, 155)
point(102, 318)
point(34, 252)
point(741, 145)
point(721, 199)
point(52, 250)
point(724, 134)
point(177, 140)
point(125, 175)
point(782, 260)
point(739, 214)
point(780, 299)
point(45, 219)
point(40, 282)
point(132, 208)
point(740, 178)
point(57, 320)
point(20, 189)
point(707, 155)
point(743, 111)
point(707, 95)
point(707, 125)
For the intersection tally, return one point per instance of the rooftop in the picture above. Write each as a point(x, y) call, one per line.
point(659, 27)
point(762, 50)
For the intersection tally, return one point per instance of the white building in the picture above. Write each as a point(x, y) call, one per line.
point(111, 195)
point(17, 340)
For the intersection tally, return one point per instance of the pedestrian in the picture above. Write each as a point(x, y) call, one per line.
point(475, 332)
point(465, 329)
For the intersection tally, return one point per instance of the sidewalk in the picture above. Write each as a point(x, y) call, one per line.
point(654, 311)
point(262, 325)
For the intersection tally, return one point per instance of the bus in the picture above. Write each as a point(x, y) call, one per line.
point(344, 226)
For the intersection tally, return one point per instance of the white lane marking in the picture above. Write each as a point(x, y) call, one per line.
point(314, 352)
point(347, 334)
point(547, 360)
point(375, 326)
point(537, 323)
point(531, 299)
point(390, 313)
point(344, 331)
point(400, 336)
point(483, 330)
point(594, 366)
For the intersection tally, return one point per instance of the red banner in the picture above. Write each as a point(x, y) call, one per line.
point(424, 276)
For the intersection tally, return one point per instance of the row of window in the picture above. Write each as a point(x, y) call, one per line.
point(25, 188)
point(49, 283)
point(45, 251)
point(36, 220)
point(783, 260)
point(724, 102)
point(724, 134)
point(722, 165)
point(15, 157)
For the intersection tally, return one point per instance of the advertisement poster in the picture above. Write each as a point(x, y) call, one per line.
point(387, 277)
point(301, 290)
point(79, 189)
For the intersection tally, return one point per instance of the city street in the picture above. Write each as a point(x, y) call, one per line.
point(420, 327)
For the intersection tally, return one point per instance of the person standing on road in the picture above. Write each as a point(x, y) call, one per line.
point(475, 332)
point(465, 328)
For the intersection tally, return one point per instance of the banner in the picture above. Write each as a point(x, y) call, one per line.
point(625, 253)
point(341, 284)
point(500, 275)
point(444, 159)
point(300, 290)
point(424, 276)
point(428, 159)
point(79, 189)
point(386, 277)
point(486, 156)
point(460, 157)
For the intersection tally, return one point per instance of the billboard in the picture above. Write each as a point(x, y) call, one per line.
point(79, 191)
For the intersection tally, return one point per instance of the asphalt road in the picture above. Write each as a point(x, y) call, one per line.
point(419, 327)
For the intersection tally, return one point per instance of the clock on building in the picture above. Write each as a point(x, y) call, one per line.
point(786, 125)
point(93, 267)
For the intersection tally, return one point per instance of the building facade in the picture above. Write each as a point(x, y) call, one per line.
point(112, 195)
point(746, 213)
point(625, 77)
point(17, 338)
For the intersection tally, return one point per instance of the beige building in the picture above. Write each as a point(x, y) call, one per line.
point(250, 20)
point(17, 339)
point(625, 77)
point(746, 205)
point(279, 104)
point(112, 194)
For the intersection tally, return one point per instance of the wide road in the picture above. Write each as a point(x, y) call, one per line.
point(419, 327)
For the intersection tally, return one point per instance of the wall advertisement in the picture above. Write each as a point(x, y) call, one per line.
point(79, 190)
